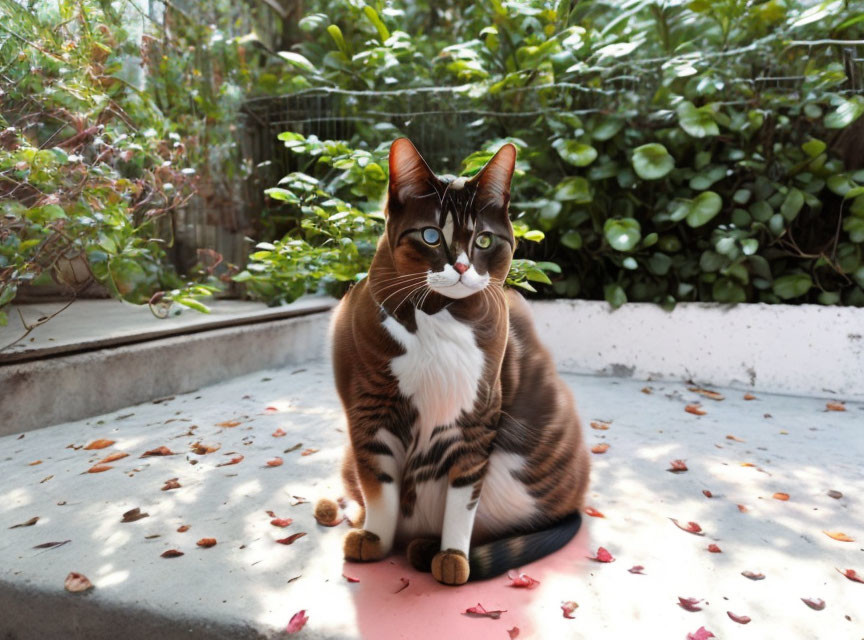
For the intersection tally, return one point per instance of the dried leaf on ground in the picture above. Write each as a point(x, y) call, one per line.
point(839, 536)
point(707, 493)
point(833, 493)
point(689, 604)
point(602, 556)
point(77, 583)
point(481, 612)
point(228, 423)
point(690, 527)
point(133, 514)
point(28, 523)
point(203, 449)
point(279, 433)
point(34, 463)
point(749, 396)
point(713, 395)
point(114, 457)
point(677, 466)
point(700, 634)
point(835, 406)
point(275, 462)
point(599, 425)
point(783, 497)
point(294, 448)
point(753, 575)
point(233, 460)
point(172, 553)
point(591, 511)
point(183, 528)
point(405, 584)
point(742, 508)
point(281, 522)
point(695, 409)
point(206, 542)
point(309, 451)
point(737, 618)
point(297, 622)
point(54, 545)
point(158, 451)
point(351, 578)
point(298, 500)
point(735, 438)
point(647, 390)
point(600, 448)
point(99, 444)
point(637, 569)
point(521, 580)
point(713, 548)
point(171, 484)
point(816, 604)
point(99, 468)
point(852, 575)
point(290, 539)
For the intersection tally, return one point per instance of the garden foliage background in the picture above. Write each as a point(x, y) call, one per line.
point(669, 151)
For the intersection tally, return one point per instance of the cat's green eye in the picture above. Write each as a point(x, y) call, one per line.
point(431, 236)
point(484, 240)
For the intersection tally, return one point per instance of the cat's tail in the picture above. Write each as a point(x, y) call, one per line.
point(496, 557)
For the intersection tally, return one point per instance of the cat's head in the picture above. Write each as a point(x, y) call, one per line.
point(456, 231)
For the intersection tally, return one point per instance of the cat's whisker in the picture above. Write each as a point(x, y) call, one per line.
point(408, 286)
point(408, 297)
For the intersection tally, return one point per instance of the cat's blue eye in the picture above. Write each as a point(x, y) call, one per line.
point(431, 236)
point(484, 240)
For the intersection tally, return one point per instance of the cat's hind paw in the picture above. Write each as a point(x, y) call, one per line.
point(450, 567)
point(363, 546)
point(421, 551)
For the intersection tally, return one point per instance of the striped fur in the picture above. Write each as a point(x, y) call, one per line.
point(460, 428)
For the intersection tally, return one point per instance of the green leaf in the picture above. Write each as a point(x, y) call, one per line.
point(193, 304)
point(574, 189)
point(792, 204)
point(607, 128)
point(534, 235)
point(846, 113)
point(698, 123)
point(574, 152)
point(298, 61)
point(814, 147)
point(652, 161)
point(622, 234)
point(336, 33)
point(728, 291)
point(372, 16)
point(572, 240)
point(792, 286)
point(703, 208)
point(614, 295)
point(278, 193)
point(854, 226)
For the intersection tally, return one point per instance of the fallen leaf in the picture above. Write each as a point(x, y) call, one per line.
point(513, 633)
point(309, 451)
point(34, 463)
point(54, 545)
point(637, 569)
point(752, 575)
point(832, 493)
point(839, 536)
point(281, 522)
point(816, 604)
point(747, 464)
point(298, 500)
point(294, 448)
point(600, 448)
point(133, 514)
point(29, 523)
point(700, 634)
point(171, 484)
point(735, 438)
point(713, 548)
point(647, 390)
point(599, 426)
point(835, 406)
point(270, 513)
point(98, 444)
point(77, 582)
point(172, 553)
point(183, 528)
point(233, 460)
point(521, 580)
point(275, 462)
point(290, 539)
point(158, 451)
point(279, 433)
point(351, 578)
point(568, 608)
point(297, 622)
point(677, 466)
point(228, 423)
point(405, 584)
point(206, 542)
point(591, 511)
point(114, 457)
point(713, 395)
point(153, 536)
point(781, 496)
point(99, 468)
point(690, 527)
point(602, 556)
point(689, 604)
point(481, 612)
point(852, 575)
point(749, 396)
point(203, 449)
point(707, 493)
point(738, 619)
point(695, 409)
point(742, 508)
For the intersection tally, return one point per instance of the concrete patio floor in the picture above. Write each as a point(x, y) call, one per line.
point(249, 586)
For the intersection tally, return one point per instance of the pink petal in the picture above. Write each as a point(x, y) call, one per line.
point(700, 634)
point(351, 578)
point(521, 580)
point(637, 569)
point(514, 632)
point(689, 604)
point(602, 556)
point(298, 621)
point(814, 603)
point(568, 608)
point(480, 611)
point(738, 619)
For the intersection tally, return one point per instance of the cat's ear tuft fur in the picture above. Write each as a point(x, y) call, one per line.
point(493, 180)
point(410, 176)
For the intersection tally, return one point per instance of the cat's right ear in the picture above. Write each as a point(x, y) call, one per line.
point(410, 176)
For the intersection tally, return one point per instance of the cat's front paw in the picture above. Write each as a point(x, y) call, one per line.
point(450, 567)
point(363, 546)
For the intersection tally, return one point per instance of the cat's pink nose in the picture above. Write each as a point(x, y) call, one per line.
point(461, 268)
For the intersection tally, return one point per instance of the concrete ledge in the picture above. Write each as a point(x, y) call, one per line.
point(803, 350)
point(44, 392)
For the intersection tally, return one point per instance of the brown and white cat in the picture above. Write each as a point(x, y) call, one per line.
point(464, 442)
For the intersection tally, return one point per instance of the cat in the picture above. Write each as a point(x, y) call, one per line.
point(465, 443)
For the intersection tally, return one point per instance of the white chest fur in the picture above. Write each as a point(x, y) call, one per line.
point(440, 369)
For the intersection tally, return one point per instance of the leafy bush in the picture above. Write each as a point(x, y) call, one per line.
point(669, 151)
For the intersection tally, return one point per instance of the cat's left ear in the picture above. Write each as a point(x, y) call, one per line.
point(493, 180)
